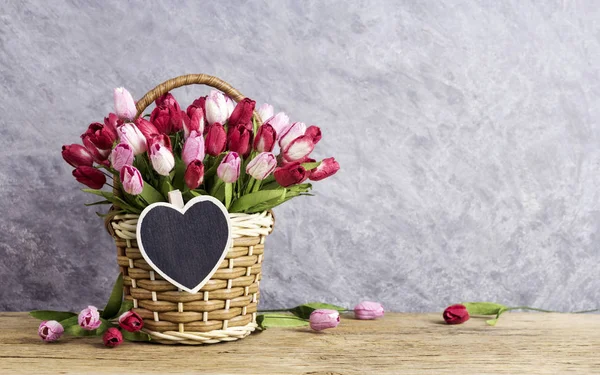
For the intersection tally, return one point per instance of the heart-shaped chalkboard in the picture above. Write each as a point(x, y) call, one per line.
point(185, 245)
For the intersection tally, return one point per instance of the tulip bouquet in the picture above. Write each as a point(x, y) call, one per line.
point(214, 148)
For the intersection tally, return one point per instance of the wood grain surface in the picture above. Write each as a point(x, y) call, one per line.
point(521, 343)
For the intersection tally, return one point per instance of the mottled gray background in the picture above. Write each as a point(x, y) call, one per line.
point(467, 132)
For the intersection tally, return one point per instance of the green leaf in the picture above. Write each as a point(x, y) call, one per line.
point(70, 321)
point(483, 308)
point(304, 311)
point(250, 200)
point(112, 198)
point(97, 203)
point(214, 164)
point(135, 336)
point(309, 166)
point(492, 322)
point(114, 301)
point(151, 195)
point(52, 315)
point(125, 306)
point(268, 320)
point(178, 179)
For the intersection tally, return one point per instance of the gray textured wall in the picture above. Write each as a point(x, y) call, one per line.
point(467, 133)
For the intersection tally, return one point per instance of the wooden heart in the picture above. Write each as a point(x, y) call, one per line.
point(185, 245)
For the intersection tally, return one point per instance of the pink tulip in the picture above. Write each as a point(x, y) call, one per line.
point(131, 321)
point(292, 132)
point(328, 167)
point(130, 134)
point(193, 148)
point(265, 138)
point(100, 136)
point(280, 122)
point(265, 112)
point(239, 140)
point(323, 318)
point(161, 139)
point(89, 176)
point(131, 180)
point(368, 310)
point(112, 122)
point(298, 149)
point(194, 174)
point(193, 121)
point(77, 155)
point(162, 159)
point(216, 139)
point(146, 127)
point(89, 318)
point(229, 169)
point(124, 104)
point(217, 108)
point(199, 103)
point(121, 155)
point(313, 132)
point(112, 337)
point(230, 105)
point(262, 165)
point(242, 114)
point(50, 330)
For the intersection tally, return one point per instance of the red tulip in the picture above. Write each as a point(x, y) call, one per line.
point(113, 122)
point(100, 136)
point(161, 139)
point(89, 176)
point(314, 132)
point(290, 174)
point(167, 100)
point(328, 167)
point(131, 321)
point(194, 174)
point(239, 140)
point(215, 139)
point(99, 156)
point(242, 114)
point(167, 119)
point(77, 155)
point(112, 337)
point(193, 121)
point(197, 104)
point(456, 314)
point(265, 138)
point(146, 127)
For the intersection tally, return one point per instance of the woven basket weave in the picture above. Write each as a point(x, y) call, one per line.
point(225, 308)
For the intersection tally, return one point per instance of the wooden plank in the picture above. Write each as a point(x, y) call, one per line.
point(399, 343)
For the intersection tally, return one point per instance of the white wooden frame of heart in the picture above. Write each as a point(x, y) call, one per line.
point(176, 203)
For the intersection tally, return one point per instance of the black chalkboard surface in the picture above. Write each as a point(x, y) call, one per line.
point(185, 245)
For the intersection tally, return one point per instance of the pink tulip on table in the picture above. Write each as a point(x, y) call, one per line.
point(50, 330)
point(193, 148)
point(265, 112)
point(215, 140)
point(121, 155)
point(265, 138)
point(162, 159)
point(323, 319)
point(328, 167)
point(262, 165)
point(112, 337)
point(217, 108)
point(89, 176)
point(367, 310)
point(131, 180)
point(194, 174)
point(130, 134)
point(89, 318)
point(124, 104)
point(229, 169)
point(77, 155)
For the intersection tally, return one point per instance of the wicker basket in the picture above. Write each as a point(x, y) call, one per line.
point(225, 308)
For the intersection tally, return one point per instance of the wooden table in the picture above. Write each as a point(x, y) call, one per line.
point(521, 343)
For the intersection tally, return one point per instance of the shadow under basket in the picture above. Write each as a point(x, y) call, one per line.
point(223, 310)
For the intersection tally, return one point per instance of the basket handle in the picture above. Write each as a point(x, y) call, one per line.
point(185, 80)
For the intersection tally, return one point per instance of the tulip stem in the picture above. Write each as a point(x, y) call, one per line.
point(228, 194)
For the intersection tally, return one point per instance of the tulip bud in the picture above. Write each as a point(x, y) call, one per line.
point(216, 139)
point(239, 140)
point(146, 127)
point(199, 103)
point(193, 148)
point(298, 149)
point(456, 314)
point(280, 122)
point(100, 136)
point(290, 174)
point(229, 169)
point(194, 174)
point(99, 155)
point(328, 167)
point(368, 310)
point(130, 134)
point(131, 321)
point(265, 138)
point(313, 132)
point(131, 180)
point(77, 155)
point(230, 105)
point(89, 176)
point(323, 318)
point(167, 119)
point(161, 139)
point(292, 132)
point(112, 337)
point(50, 330)
point(217, 108)
point(89, 318)
point(113, 122)
point(242, 114)
point(193, 121)
point(265, 112)
point(262, 165)
point(121, 155)
point(124, 104)
point(162, 159)
point(167, 100)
